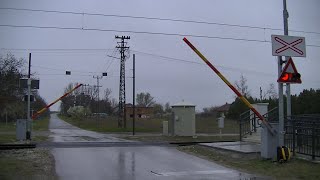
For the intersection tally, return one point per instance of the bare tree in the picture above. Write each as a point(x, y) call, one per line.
point(158, 109)
point(242, 86)
point(107, 94)
point(271, 92)
point(145, 99)
point(167, 108)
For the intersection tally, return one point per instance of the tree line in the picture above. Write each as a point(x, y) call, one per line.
point(306, 102)
point(84, 101)
point(12, 106)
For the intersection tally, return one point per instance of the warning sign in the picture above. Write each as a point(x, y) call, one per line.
point(290, 74)
point(288, 46)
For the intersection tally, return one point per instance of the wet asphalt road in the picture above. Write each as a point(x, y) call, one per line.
point(131, 162)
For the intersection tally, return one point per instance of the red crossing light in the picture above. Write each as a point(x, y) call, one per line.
point(290, 77)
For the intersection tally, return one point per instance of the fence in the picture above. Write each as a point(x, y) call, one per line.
point(249, 123)
point(303, 134)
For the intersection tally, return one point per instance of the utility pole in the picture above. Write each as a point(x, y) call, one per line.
point(85, 91)
point(98, 98)
point(98, 92)
point(286, 32)
point(281, 107)
point(134, 95)
point(122, 86)
point(281, 111)
point(28, 133)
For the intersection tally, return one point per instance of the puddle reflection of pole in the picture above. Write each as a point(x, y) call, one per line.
point(133, 165)
point(122, 165)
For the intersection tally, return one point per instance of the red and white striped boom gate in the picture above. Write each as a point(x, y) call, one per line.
point(243, 99)
point(48, 106)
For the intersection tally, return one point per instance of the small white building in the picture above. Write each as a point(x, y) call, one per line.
point(183, 119)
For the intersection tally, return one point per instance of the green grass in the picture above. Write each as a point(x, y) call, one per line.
point(11, 165)
point(110, 124)
point(294, 169)
point(10, 126)
point(38, 125)
point(182, 138)
point(41, 124)
point(8, 131)
point(11, 138)
point(210, 125)
point(27, 164)
point(7, 138)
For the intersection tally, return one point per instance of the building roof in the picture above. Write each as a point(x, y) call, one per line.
point(129, 105)
point(223, 108)
point(183, 103)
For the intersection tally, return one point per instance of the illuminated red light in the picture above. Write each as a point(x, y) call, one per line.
point(285, 77)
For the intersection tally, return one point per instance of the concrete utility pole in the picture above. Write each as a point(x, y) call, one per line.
point(281, 111)
point(281, 107)
point(122, 86)
point(28, 133)
point(134, 94)
point(98, 92)
point(85, 90)
point(286, 32)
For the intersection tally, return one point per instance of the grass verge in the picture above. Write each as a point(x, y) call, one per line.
point(110, 124)
point(181, 138)
point(210, 125)
point(154, 125)
point(40, 127)
point(41, 124)
point(7, 138)
point(27, 164)
point(294, 169)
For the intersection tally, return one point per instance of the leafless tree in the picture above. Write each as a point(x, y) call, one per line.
point(145, 99)
point(242, 86)
point(107, 94)
point(271, 92)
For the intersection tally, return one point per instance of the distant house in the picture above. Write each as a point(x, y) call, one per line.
point(223, 109)
point(140, 111)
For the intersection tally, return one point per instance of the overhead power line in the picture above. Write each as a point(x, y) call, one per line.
point(172, 59)
point(156, 18)
point(139, 32)
point(60, 51)
point(129, 31)
point(199, 63)
point(60, 69)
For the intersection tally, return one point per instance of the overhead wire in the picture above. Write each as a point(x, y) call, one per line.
point(112, 59)
point(80, 71)
point(142, 32)
point(55, 69)
point(162, 57)
point(152, 33)
point(198, 63)
point(156, 18)
point(61, 74)
point(54, 50)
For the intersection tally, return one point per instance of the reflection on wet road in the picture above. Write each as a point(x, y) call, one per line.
point(132, 162)
point(65, 132)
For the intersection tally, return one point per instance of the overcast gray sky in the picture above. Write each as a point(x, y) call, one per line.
point(167, 80)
